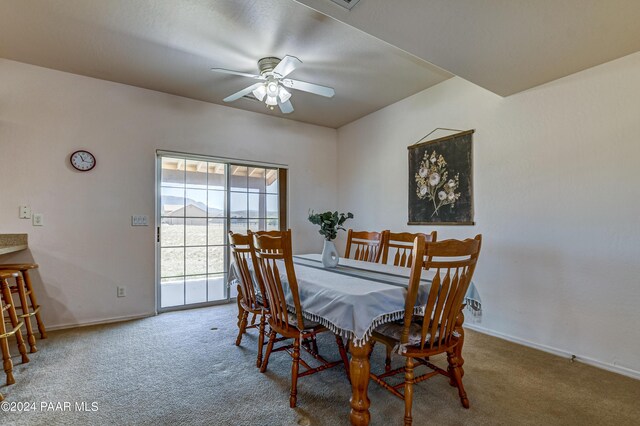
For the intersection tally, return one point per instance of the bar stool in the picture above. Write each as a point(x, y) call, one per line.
point(34, 309)
point(19, 288)
point(4, 347)
point(6, 305)
point(10, 308)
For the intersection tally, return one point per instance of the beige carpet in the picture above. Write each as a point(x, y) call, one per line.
point(182, 368)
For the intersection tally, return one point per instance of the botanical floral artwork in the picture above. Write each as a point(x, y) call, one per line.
point(440, 181)
point(432, 183)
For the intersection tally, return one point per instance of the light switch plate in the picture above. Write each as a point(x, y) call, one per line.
point(139, 220)
point(24, 212)
point(38, 219)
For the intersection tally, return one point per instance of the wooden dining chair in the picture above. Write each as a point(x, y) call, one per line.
point(366, 246)
point(250, 298)
point(273, 233)
point(273, 253)
point(399, 246)
point(418, 338)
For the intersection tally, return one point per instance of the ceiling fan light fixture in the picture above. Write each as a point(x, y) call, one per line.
point(271, 100)
point(283, 94)
point(272, 88)
point(260, 92)
point(273, 84)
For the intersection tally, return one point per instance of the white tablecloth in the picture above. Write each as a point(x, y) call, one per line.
point(354, 298)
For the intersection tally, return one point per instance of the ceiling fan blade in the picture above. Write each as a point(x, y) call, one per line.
point(243, 74)
point(286, 66)
point(286, 107)
point(242, 92)
point(316, 89)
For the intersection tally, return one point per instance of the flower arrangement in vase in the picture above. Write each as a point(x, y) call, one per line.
point(330, 223)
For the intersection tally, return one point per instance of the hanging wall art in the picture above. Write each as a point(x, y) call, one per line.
point(441, 181)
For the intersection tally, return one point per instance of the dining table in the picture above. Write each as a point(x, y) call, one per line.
point(351, 300)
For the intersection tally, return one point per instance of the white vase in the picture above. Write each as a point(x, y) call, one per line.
point(330, 256)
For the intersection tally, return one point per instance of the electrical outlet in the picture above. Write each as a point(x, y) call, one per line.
point(122, 291)
point(24, 212)
point(139, 220)
point(38, 219)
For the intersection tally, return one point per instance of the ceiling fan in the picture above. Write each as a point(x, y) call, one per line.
point(272, 88)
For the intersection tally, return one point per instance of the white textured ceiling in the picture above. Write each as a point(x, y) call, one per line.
point(505, 46)
point(170, 46)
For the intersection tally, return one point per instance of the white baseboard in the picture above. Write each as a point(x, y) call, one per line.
point(101, 321)
point(555, 351)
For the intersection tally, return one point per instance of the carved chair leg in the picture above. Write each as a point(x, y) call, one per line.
point(243, 327)
point(458, 347)
point(408, 391)
point(343, 355)
point(314, 344)
point(455, 374)
point(387, 360)
point(458, 352)
point(260, 341)
point(240, 310)
point(294, 372)
point(272, 338)
point(452, 380)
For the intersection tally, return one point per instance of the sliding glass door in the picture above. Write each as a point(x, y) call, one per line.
point(199, 201)
point(253, 199)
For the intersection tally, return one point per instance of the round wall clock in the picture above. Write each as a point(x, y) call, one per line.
point(83, 160)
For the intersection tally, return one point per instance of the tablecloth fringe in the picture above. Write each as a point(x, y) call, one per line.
point(350, 335)
point(474, 307)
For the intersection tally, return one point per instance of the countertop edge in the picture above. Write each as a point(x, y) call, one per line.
point(11, 249)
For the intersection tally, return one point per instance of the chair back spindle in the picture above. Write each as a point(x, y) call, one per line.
point(363, 245)
point(399, 247)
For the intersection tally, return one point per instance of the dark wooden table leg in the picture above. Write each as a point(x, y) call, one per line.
point(360, 367)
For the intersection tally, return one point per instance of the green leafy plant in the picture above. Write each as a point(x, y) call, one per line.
point(329, 222)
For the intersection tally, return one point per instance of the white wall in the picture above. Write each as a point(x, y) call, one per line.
point(557, 199)
point(87, 246)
